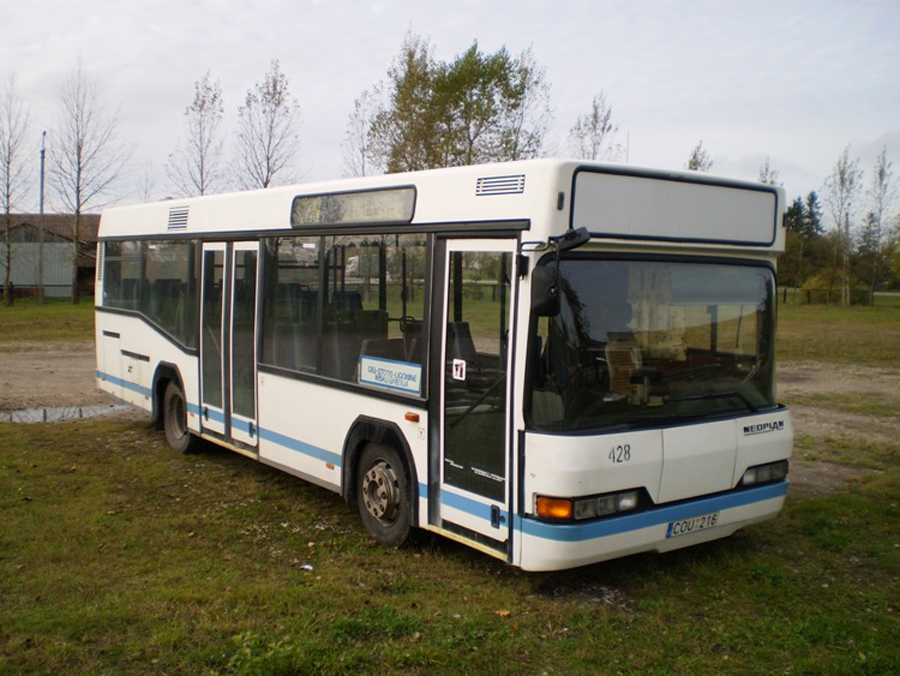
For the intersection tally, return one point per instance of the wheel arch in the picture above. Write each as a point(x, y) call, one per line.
point(365, 430)
point(164, 374)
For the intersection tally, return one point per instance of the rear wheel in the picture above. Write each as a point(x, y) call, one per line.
point(174, 417)
point(384, 494)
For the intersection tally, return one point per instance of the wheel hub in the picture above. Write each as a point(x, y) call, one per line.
point(381, 492)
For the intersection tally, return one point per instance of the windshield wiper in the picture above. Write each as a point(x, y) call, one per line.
point(718, 395)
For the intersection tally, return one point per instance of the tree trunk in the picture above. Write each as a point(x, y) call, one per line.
point(7, 280)
point(76, 237)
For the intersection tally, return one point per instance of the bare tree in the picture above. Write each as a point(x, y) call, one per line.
point(842, 189)
point(881, 195)
point(146, 183)
point(768, 174)
point(883, 190)
point(195, 167)
point(355, 147)
point(267, 131)
point(699, 159)
point(593, 135)
point(13, 174)
point(527, 114)
point(87, 157)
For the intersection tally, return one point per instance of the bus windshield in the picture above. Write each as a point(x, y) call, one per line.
point(641, 343)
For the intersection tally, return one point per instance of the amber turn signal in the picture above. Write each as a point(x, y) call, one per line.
point(554, 508)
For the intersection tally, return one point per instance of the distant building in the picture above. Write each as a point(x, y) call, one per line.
point(25, 244)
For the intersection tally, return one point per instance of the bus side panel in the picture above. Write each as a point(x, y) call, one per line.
point(129, 359)
point(109, 355)
point(303, 427)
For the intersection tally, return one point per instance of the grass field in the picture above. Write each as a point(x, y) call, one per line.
point(857, 335)
point(861, 335)
point(118, 555)
point(56, 320)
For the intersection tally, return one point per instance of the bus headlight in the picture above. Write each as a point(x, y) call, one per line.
point(587, 508)
point(760, 474)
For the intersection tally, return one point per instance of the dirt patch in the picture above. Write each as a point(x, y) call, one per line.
point(49, 375)
point(822, 478)
point(806, 378)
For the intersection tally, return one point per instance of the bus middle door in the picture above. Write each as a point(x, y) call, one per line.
point(228, 342)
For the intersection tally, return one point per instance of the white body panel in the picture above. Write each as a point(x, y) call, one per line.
point(303, 422)
point(688, 473)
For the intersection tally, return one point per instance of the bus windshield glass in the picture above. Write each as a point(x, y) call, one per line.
point(642, 343)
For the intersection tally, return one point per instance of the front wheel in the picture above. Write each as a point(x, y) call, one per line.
point(384, 494)
point(174, 416)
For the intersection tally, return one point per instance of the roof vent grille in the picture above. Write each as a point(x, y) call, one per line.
point(500, 185)
point(178, 218)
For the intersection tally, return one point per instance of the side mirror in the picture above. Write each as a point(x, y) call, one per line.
point(545, 291)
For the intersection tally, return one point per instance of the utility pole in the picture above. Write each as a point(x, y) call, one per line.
point(41, 226)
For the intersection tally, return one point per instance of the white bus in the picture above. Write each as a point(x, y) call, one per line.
point(554, 362)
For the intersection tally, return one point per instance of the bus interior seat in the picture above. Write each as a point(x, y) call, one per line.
point(461, 344)
point(623, 358)
point(383, 348)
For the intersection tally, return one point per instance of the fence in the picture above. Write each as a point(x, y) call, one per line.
point(824, 296)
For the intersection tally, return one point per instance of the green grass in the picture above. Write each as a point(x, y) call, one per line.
point(891, 299)
point(118, 555)
point(56, 320)
point(858, 335)
point(858, 403)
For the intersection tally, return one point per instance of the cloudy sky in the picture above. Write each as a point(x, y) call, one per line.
point(795, 81)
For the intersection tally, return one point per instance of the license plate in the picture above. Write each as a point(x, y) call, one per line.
point(692, 525)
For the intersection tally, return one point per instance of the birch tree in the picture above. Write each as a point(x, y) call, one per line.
point(14, 175)
point(842, 190)
point(880, 197)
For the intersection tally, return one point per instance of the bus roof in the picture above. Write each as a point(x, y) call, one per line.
point(628, 203)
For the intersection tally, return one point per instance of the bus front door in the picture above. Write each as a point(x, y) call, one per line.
point(228, 342)
point(473, 464)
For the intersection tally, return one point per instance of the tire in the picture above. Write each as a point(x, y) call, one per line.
point(174, 419)
point(384, 494)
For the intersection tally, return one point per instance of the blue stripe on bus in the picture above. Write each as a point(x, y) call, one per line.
point(468, 505)
point(219, 416)
point(655, 517)
point(300, 446)
point(127, 384)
